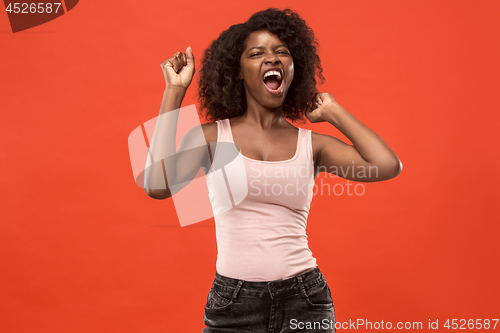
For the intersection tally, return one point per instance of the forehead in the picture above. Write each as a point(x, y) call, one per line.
point(262, 38)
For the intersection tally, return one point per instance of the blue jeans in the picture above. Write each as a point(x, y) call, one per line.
point(302, 303)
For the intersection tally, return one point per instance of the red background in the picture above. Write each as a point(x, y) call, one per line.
point(83, 249)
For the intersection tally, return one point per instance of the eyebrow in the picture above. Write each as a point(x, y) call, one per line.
point(261, 47)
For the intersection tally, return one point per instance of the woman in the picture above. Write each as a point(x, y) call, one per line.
point(254, 77)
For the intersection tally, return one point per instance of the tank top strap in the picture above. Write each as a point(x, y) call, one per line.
point(310, 155)
point(220, 151)
point(224, 131)
point(305, 144)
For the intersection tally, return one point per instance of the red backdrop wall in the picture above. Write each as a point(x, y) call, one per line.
point(83, 249)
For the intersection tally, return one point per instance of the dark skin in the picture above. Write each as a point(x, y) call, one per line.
point(262, 133)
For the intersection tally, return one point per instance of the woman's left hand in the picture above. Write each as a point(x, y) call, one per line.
point(324, 105)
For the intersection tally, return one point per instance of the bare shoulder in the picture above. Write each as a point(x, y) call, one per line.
point(210, 131)
point(320, 141)
point(193, 139)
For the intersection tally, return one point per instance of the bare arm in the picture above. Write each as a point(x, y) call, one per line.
point(369, 159)
point(167, 170)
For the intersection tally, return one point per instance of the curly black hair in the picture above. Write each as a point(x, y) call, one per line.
point(220, 90)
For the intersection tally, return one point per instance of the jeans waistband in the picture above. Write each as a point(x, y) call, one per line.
point(271, 289)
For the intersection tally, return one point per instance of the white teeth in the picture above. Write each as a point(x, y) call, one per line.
point(271, 73)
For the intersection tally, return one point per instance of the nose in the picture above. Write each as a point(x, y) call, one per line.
point(272, 59)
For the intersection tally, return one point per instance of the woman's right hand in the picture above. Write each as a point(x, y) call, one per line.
point(178, 70)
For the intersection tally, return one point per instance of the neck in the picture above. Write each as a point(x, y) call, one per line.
point(257, 114)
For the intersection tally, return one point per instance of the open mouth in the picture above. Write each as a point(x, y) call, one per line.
point(273, 80)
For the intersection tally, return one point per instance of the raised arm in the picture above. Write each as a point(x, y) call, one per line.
point(369, 159)
point(166, 168)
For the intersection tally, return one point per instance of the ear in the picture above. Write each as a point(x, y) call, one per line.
point(240, 76)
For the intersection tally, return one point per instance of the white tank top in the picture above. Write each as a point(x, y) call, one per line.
point(263, 237)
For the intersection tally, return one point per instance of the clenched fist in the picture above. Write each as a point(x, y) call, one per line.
point(178, 70)
point(323, 107)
